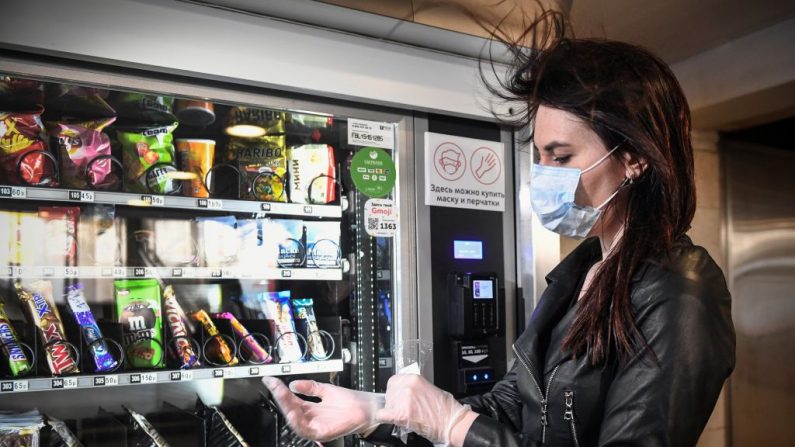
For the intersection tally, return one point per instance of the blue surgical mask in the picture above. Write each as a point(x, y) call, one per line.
point(552, 197)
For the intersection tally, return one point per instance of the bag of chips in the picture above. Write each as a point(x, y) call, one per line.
point(76, 100)
point(80, 145)
point(21, 136)
point(139, 108)
point(148, 158)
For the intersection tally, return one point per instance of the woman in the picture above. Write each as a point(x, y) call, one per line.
point(632, 339)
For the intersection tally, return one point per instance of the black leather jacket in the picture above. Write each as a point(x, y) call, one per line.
point(661, 397)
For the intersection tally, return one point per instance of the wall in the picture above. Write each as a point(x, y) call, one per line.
point(707, 231)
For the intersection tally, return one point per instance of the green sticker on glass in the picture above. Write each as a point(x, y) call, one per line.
point(373, 172)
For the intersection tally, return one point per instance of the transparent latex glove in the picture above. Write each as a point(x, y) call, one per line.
point(340, 411)
point(417, 405)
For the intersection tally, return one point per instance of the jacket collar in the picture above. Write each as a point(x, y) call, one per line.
point(554, 303)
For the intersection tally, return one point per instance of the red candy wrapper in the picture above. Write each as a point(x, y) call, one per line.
point(256, 353)
point(61, 234)
point(44, 315)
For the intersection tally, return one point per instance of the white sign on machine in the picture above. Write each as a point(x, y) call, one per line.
point(464, 172)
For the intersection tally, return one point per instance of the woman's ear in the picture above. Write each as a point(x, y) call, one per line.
point(634, 165)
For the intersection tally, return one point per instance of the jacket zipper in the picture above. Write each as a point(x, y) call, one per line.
point(568, 415)
point(543, 403)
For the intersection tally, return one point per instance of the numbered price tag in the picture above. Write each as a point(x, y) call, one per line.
point(210, 204)
point(253, 371)
point(181, 376)
point(14, 192)
point(71, 272)
point(81, 196)
point(14, 386)
point(119, 272)
point(64, 383)
point(154, 200)
point(106, 380)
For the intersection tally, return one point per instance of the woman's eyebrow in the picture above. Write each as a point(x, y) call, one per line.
point(552, 145)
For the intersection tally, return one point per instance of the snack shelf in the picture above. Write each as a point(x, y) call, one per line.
point(60, 272)
point(175, 202)
point(167, 376)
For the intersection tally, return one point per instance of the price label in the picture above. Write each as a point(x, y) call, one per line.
point(218, 373)
point(308, 210)
point(210, 204)
point(287, 273)
point(287, 369)
point(149, 378)
point(119, 272)
point(253, 371)
point(177, 273)
point(106, 380)
point(141, 272)
point(154, 200)
point(14, 192)
point(181, 376)
point(15, 272)
point(70, 382)
point(16, 385)
point(265, 206)
point(217, 273)
point(81, 196)
point(71, 272)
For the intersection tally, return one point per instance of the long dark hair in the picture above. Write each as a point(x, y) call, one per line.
point(630, 98)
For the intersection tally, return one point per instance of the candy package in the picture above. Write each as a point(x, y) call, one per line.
point(98, 237)
point(37, 299)
point(60, 225)
point(323, 244)
point(252, 122)
point(84, 150)
point(18, 363)
point(220, 243)
point(103, 358)
point(75, 100)
point(312, 174)
point(22, 143)
point(253, 351)
point(20, 429)
point(62, 436)
point(263, 167)
point(175, 317)
point(138, 311)
point(306, 323)
point(218, 346)
point(276, 306)
point(144, 109)
point(149, 159)
point(142, 434)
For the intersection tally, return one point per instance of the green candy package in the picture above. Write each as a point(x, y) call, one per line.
point(149, 159)
point(139, 312)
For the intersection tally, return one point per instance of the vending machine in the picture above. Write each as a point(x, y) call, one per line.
point(167, 242)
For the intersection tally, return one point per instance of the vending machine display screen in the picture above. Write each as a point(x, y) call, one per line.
point(482, 290)
point(468, 250)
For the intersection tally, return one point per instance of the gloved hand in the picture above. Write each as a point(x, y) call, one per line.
point(416, 404)
point(340, 412)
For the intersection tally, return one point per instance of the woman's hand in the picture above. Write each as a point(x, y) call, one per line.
point(340, 411)
point(417, 405)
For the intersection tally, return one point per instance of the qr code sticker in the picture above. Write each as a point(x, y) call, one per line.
point(372, 223)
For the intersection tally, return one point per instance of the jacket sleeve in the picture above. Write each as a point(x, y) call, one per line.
point(664, 394)
point(500, 420)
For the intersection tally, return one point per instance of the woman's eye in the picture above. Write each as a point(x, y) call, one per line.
point(562, 159)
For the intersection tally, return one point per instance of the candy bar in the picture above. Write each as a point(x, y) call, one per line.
point(17, 359)
point(45, 316)
point(103, 359)
point(276, 306)
point(176, 325)
point(256, 353)
point(304, 310)
point(221, 348)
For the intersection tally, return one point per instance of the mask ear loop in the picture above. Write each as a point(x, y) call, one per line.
point(626, 182)
point(598, 162)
